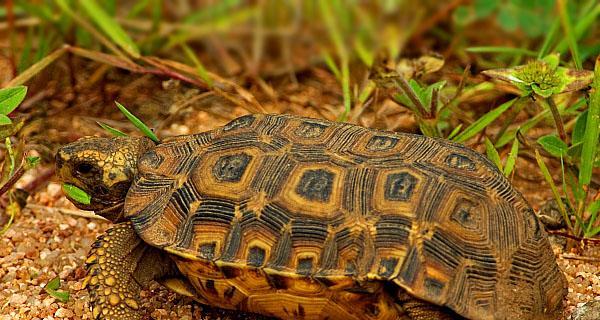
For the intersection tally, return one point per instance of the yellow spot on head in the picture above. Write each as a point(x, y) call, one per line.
point(110, 281)
point(113, 299)
point(96, 312)
point(132, 304)
point(91, 259)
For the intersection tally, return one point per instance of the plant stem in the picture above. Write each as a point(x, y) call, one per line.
point(410, 93)
point(560, 126)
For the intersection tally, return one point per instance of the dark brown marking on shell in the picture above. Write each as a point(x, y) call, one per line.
point(378, 143)
point(256, 256)
point(329, 256)
point(241, 122)
point(305, 266)
point(231, 168)
point(315, 185)
point(459, 161)
point(434, 287)
point(234, 240)
point(399, 186)
point(308, 129)
point(229, 292)
point(282, 252)
point(387, 266)
point(466, 214)
point(207, 250)
point(410, 268)
point(151, 159)
point(209, 285)
point(277, 281)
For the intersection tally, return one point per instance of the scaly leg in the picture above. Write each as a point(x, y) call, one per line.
point(119, 265)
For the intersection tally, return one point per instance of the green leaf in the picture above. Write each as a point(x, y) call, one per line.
point(484, 8)
point(579, 128)
point(454, 132)
point(53, 284)
point(4, 120)
point(592, 129)
point(553, 145)
point(110, 27)
point(463, 15)
point(76, 194)
point(592, 210)
point(512, 158)
point(111, 130)
point(550, 181)
point(593, 232)
point(32, 162)
point(492, 153)
point(507, 19)
point(138, 123)
point(484, 121)
point(10, 98)
point(52, 289)
point(509, 50)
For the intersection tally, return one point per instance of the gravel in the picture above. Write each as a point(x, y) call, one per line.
point(49, 239)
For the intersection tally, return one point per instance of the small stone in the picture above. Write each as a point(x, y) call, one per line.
point(587, 311)
point(63, 313)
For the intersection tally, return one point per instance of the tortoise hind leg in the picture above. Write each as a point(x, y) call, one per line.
point(415, 309)
point(119, 265)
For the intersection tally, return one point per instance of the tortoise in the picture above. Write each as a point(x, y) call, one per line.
point(299, 218)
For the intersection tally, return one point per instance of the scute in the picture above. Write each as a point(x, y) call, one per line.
point(269, 201)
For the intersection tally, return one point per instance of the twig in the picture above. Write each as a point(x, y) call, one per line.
point(582, 258)
point(70, 212)
point(13, 179)
point(570, 236)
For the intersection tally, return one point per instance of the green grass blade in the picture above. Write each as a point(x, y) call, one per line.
point(583, 24)
point(548, 177)
point(111, 130)
point(545, 49)
point(592, 210)
point(512, 158)
point(110, 27)
point(36, 68)
point(492, 153)
point(332, 65)
point(590, 138)
point(199, 66)
point(569, 33)
point(484, 121)
point(454, 132)
point(138, 123)
point(10, 98)
point(509, 50)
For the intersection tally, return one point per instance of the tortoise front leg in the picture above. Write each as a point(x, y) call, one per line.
point(119, 265)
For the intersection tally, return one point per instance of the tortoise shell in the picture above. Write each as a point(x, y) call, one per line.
point(290, 216)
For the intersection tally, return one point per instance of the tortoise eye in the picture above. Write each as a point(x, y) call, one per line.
point(84, 168)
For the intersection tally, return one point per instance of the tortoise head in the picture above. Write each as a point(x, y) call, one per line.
point(104, 168)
